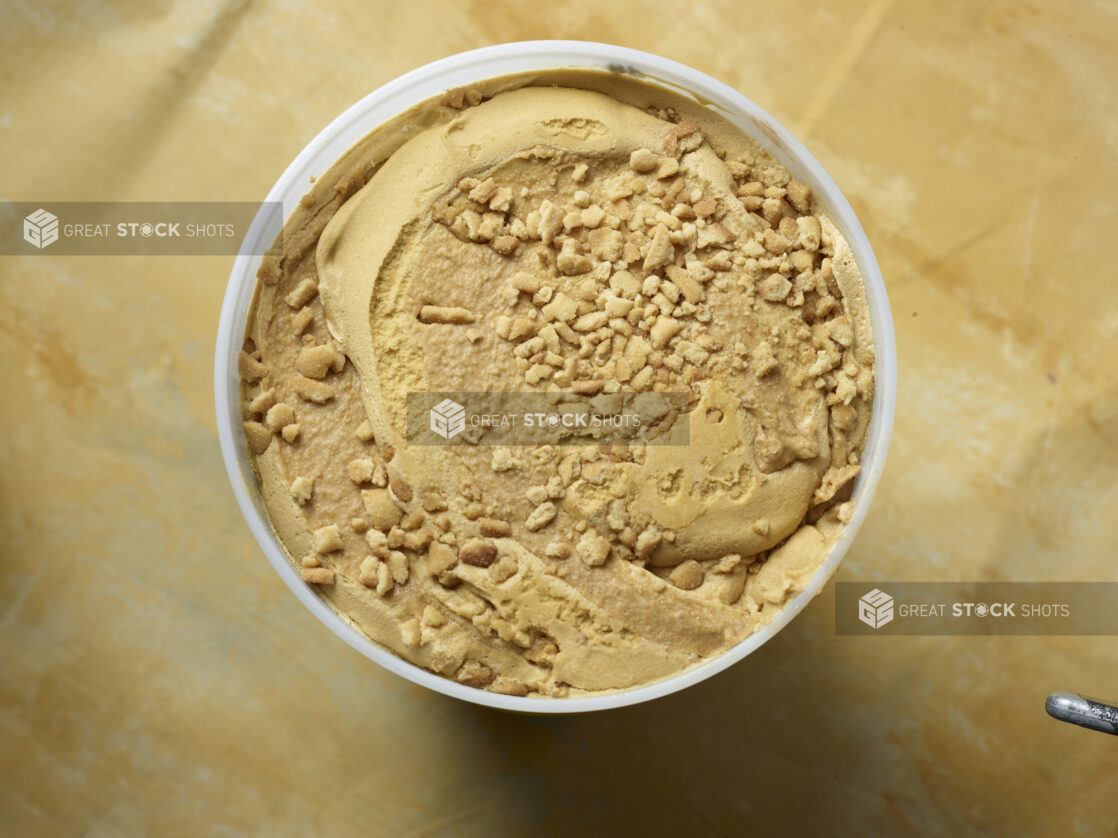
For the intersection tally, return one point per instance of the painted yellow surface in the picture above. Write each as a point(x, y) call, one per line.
point(156, 678)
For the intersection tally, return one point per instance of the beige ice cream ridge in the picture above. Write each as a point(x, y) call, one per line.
point(563, 231)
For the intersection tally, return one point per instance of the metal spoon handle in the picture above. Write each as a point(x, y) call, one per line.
point(1086, 712)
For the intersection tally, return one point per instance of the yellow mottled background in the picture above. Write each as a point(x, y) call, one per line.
point(156, 678)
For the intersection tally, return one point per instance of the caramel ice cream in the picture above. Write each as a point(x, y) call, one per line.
point(573, 233)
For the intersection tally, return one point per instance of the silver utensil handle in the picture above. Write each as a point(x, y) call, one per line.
point(1086, 712)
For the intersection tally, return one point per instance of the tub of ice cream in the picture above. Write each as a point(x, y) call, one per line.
point(574, 232)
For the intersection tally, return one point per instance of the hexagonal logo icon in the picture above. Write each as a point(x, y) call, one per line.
point(40, 228)
point(448, 419)
point(875, 609)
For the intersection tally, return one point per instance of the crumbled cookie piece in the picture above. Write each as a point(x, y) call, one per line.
point(474, 674)
point(249, 368)
point(508, 686)
point(410, 632)
point(318, 575)
point(775, 288)
point(687, 284)
point(525, 282)
point(302, 294)
point(417, 540)
point(541, 516)
point(810, 233)
point(593, 548)
point(503, 460)
point(776, 243)
point(384, 579)
point(572, 263)
point(833, 480)
point(364, 431)
point(561, 308)
point(763, 359)
point(270, 269)
point(705, 207)
point(398, 567)
point(278, 416)
point(401, 489)
point(503, 569)
point(521, 329)
point(607, 244)
point(557, 549)
point(661, 251)
point(441, 558)
point(380, 476)
point(648, 540)
point(688, 575)
point(727, 564)
point(290, 432)
point(676, 140)
point(301, 321)
point(668, 167)
point(663, 330)
point(316, 361)
point(478, 553)
point(505, 245)
point(799, 196)
point(301, 489)
point(716, 235)
point(367, 571)
point(259, 437)
point(483, 191)
point(433, 502)
point(446, 314)
point(590, 387)
point(361, 470)
point(643, 160)
point(413, 520)
point(382, 510)
point(592, 216)
point(454, 99)
point(262, 402)
point(318, 392)
point(494, 528)
point(327, 539)
point(378, 543)
point(550, 221)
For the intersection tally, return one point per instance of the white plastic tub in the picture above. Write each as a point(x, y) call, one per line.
point(468, 68)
